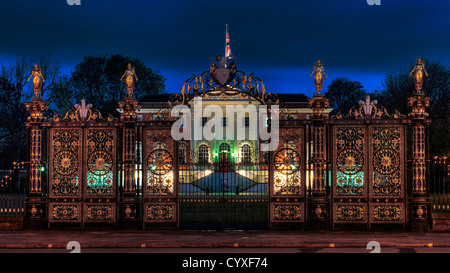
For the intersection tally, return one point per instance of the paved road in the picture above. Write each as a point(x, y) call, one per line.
point(233, 250)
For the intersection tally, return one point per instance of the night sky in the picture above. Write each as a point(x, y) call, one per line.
point(277, 40)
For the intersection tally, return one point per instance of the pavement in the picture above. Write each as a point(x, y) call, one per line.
point(53, 239)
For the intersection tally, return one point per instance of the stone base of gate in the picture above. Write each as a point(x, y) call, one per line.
point(318, 225)
point(11, 222)
point(441, 221)
point(130, 212)
point(160, 226)
point(379, 227)
point(350, 227)
point(318, 215)
point(419, 208)
point(35, 214)
point(287, 226)
point(419, 226)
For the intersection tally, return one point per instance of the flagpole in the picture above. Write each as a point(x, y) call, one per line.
point(226, 33)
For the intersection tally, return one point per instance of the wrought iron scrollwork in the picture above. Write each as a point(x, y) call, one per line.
point(64, 213)
point(160, 162)
point(354, 213)
point(65, 162)
point(368, 110)
point(287, 177)
point(100, 162)
point(386, 158)
point(81, 113)
point(387, 213)
point(287, 161)
point(223, 79)
point(350, 161)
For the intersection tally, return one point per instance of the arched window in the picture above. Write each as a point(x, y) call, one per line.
point(224, 148)
point(246, 154)
point(203, 154)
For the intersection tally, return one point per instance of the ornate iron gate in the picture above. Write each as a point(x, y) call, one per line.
point(368, 171)
point(327, 172)
point(160, 204)
point(368, 174)
point(82, 171)
point(288, 169)
point(222, 194)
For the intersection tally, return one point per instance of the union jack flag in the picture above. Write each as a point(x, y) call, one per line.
point(227, 45)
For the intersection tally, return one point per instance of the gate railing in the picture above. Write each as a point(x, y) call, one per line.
point(439, 178)
point(225, 195)
point(12, 204)
point(12, 188)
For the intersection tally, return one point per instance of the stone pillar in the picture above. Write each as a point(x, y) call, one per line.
point(129, 210)
point(419, 204)
point(36, 193)
point(319, 205)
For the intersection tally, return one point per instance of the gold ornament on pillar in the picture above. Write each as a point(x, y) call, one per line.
point(319, 75)
point(419, 73)
point(318, 104)
point(130, 79)
point(38, 80)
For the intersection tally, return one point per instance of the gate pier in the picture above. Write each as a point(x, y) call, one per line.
point(318, 199)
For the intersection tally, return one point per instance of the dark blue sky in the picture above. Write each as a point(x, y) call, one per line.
point(277, 40)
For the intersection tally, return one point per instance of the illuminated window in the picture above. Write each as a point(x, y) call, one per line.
point(203, 154)
point(224, 148)
point(246, 154)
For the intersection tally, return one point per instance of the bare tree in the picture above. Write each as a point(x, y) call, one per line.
point(14, 91)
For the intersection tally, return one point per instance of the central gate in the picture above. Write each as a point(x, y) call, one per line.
point(222, 194)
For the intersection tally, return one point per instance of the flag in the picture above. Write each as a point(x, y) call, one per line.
point(228, 52)
point(227, 45)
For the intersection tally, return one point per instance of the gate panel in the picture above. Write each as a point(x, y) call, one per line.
point(386, 169)
point(65, 163)
point(65, 212)
point(100, 157)
point(287, 206)
point(65, 179)
point(160, 204)
point(349, 174)
point(100, 175)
